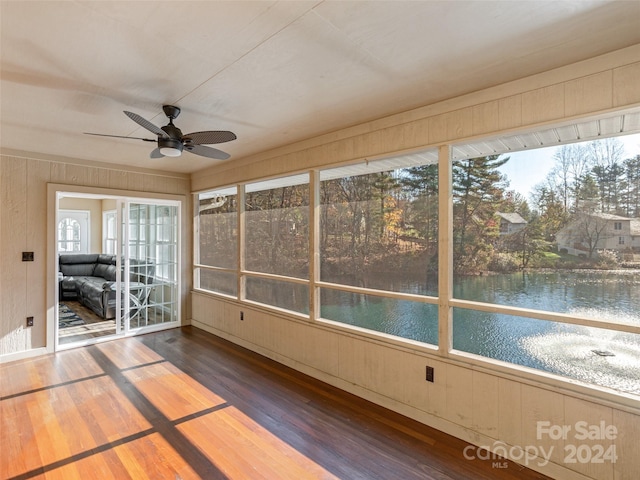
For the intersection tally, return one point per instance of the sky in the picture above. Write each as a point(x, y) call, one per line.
point(528, 168)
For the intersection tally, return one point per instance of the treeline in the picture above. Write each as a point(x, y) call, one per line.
point(592, 175)
point(388, 221)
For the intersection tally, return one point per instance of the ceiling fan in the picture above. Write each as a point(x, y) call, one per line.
point(171, 142)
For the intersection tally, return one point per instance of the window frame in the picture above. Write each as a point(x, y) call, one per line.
point(106, 239)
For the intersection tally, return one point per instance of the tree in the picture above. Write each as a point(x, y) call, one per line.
point(571, 163)
point(515, 202)
point(526, 244)
point(587, 193)
point(632, 194)
point(588, 228)
point(421, 185)
point(605, 156)
point(385, 183)
point(360, 214)
point(478, 188)
point(551, 213)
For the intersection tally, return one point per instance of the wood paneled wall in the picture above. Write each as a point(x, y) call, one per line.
point(479, 405)
point(23, 227)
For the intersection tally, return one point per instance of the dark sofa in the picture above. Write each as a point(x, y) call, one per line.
point(90, 279)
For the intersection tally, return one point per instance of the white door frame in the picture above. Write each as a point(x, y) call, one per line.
point(54, 191)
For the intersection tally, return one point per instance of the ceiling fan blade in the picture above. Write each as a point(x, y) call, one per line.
point(121, 136)
point(212, 136)
point(208, 152)
point(155, 153)
point(143, 122)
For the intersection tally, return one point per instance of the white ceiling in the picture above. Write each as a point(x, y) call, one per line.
point(271, 72)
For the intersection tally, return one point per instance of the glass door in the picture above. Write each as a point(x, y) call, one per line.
point(151, 261)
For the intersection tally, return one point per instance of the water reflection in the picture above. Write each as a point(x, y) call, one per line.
point(592, 355)
point(557, 291)
point(402, 318)
point(563, 349)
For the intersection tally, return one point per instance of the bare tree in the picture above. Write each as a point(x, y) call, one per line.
point(572, 162)
point(587, 229)
point(605, 156)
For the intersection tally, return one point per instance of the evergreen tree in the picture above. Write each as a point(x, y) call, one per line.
point(478, 188)
point(632, 194)
point(421, 185)
point(586, 193)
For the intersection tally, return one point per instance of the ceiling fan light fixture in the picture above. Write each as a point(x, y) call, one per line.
point(170, 152)
point(170, 147)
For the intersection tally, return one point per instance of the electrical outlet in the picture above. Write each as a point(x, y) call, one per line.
point(241, 315)
point(27, 256)
point(430, 374)
point(29, 321)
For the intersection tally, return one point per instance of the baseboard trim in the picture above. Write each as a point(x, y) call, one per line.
point(12, 357)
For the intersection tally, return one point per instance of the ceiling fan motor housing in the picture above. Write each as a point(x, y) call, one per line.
point(172, 131)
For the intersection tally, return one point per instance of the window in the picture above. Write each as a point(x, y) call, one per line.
point(277, 226)
point(217, 247)
point(110, 232)
point(379, 231)
point(563, 261)
point(164, 222)
point(153, 243)
point(277, 242)
point(153, 237)
point(69, 236)
point(73, 231)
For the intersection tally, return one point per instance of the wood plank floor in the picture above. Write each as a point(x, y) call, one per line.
point(95, 326)
point(184, 404)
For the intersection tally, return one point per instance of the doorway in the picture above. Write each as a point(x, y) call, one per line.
point(127, 280)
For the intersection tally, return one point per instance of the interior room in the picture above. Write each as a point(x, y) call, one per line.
point(99, 236)
point(320, 239)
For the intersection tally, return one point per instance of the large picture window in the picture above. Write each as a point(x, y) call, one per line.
point(540, 231)
point(379, 231)
point(277, 242)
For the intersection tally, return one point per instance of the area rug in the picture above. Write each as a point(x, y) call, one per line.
point(67, 317)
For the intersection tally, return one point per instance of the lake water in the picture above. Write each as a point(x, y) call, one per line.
point(592, 355)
